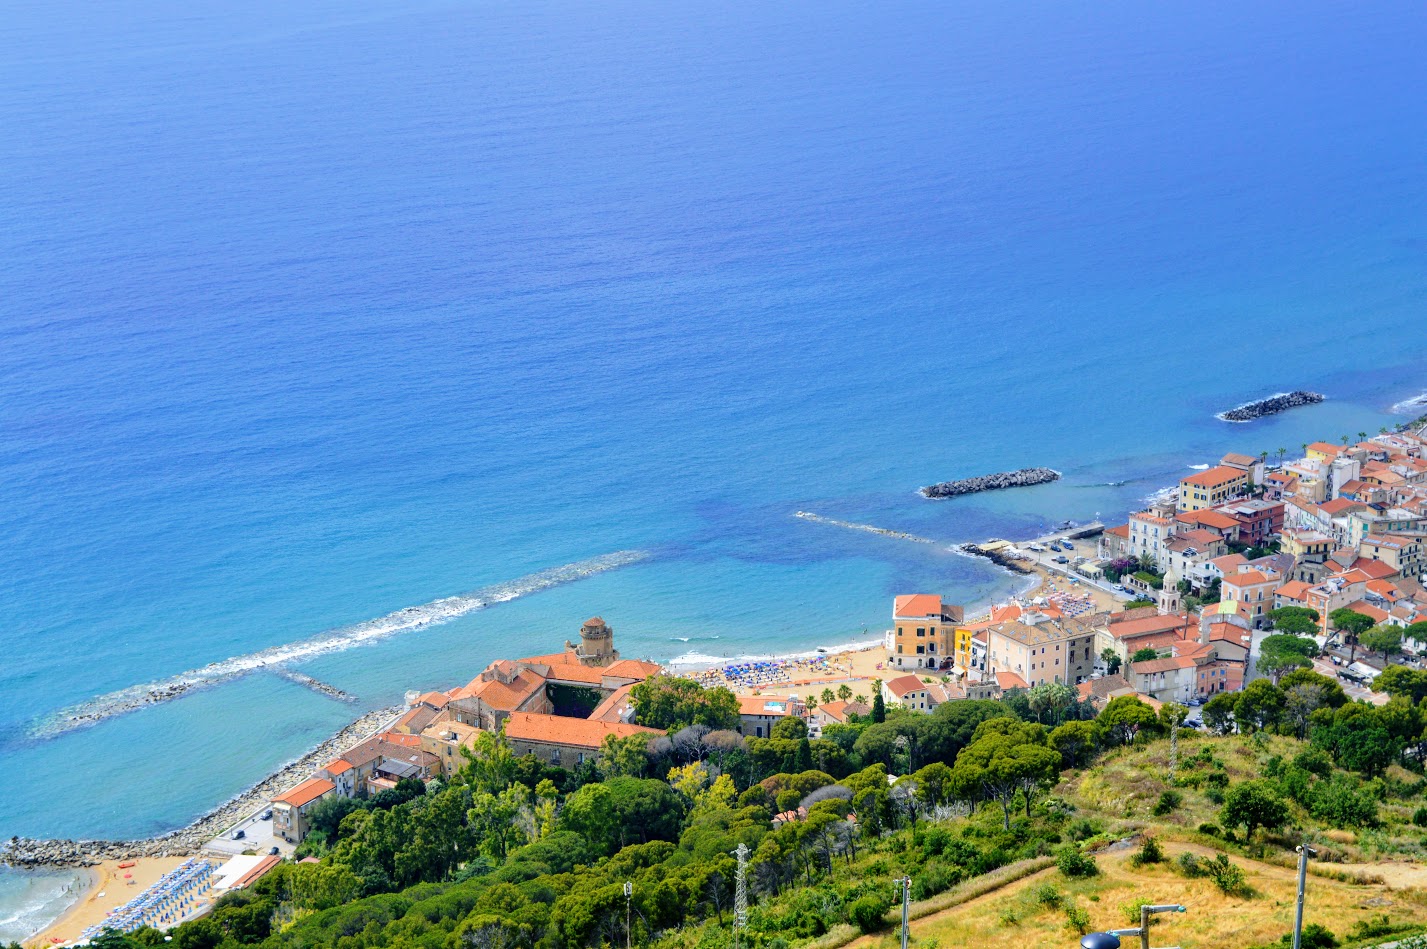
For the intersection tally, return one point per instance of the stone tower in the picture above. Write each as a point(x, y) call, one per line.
point(596, 646)
point(1169, 597)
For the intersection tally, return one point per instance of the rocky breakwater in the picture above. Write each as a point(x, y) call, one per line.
point(29, 852)
point(1025, 477)
point(1000, 553)
point(1273, 405)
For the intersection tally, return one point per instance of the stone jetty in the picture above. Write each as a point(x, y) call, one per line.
point(998, 553)
point(29, 852)
point(1022, 478)
point(1271, 406)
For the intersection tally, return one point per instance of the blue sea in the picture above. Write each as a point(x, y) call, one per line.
point(313, 312)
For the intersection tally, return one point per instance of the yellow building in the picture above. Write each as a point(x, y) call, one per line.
point(961, 647)
point(923, 628)
point(1324, 452)
point(1211, 488)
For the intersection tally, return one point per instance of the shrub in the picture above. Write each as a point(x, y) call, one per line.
point(1209, 828)
point(1371, 928)
point(1073, 863)
point(1077, 919)
point(1149, 852)
point(1217, 779)
point(1314, 761)
point(1215, 796)
point(1009, 917)
point(1315, 936)
point(868, 912)
point(1228, 878)
point(1047, 895)
point(1191, 866)
point(1419, 817)
point(1168, 802)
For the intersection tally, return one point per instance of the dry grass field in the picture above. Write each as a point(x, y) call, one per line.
point(1025, 913)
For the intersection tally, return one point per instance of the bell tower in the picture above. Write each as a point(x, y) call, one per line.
point(1170, 600)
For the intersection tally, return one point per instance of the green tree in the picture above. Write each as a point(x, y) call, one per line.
point(1295, 620)
point(490, 762)
point(1144, 655)
point(1350, 624)
point(1259, 706)
point(1385, 640)
point(1076, 742)
point(844, 692)
point(1253, 804)
point(879, 705)
point(673, 702)
point(1219, 713)
point(1007, 756)
point(1400, 680)
point(828, 696)
point(1051, 701)
point(1111, 660)
point(1124, 717)
point(626, 757)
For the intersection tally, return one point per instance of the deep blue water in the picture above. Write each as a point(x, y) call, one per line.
point(310, 312)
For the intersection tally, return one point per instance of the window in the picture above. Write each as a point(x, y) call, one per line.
point(921, 650)
point(921, 631)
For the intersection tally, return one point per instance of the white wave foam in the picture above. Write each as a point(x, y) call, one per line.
point(402, 621)
point(1414, 404)
point(1200, 467)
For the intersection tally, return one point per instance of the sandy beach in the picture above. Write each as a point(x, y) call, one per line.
point(109, 886)
point(859, 667)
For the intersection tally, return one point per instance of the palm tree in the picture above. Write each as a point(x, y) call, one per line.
point(1362, 436)
point(844, 692)
point(1345, 439)
point(1382, 431)
point(827, 696)
point(1305, 448)
point(1281, 453)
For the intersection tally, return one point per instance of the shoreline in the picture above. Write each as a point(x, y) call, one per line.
point(28, 853)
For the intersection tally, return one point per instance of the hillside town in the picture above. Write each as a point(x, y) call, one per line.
point(1203, 569)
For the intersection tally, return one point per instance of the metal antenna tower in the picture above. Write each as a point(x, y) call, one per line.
point(740, 893)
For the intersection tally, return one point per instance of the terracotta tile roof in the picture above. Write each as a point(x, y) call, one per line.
point(405, 741)
point(616, 702)
point(839, 710)
point(901, 685)
point(765, 705)
point(337, 766)
point(1368, 610)
point(1342, 505)
point(436, 700)
point(1215, 477)
point(1229, 563)
point(415, 719)
point(1009, 680)
point(1209, 518)
point(1244, 461)
point(306, 792)
point(1105, 687)
point(1148, 626)
point(1248, 578)
point(574, 672)
point(1150, 666)
point(633, 669)
point(559, 730)
point(258, 871)
point(506, 697)
point(1121, 531)
point(1385, 590)
point(1323, 448)
point(917, 605)
point(1294, 590)
point(1375, 569)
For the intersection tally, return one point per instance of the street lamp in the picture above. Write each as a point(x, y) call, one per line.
point(1111, 939)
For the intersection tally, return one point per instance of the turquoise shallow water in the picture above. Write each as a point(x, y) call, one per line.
point(310, 314)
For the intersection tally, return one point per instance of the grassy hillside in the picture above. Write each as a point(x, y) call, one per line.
point(1033, 911)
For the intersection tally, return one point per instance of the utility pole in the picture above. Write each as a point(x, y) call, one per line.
point(628, 903)
point(1303, 852)
point(740, 894)
point(905, 885)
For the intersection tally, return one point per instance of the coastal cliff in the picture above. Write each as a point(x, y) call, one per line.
point(1271, 406)
point(995, 552)
point(1022, 478)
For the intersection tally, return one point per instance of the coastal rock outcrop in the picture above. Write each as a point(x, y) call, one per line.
point(1271, 406)
point(29, 852)
point(1021, 478)
point(997, 555)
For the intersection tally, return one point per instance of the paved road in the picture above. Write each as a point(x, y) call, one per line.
point(257, 836)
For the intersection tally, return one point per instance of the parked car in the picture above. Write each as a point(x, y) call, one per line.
point(1062, 559)
point(273, 852)
point(268, 814)
point(239, 834)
